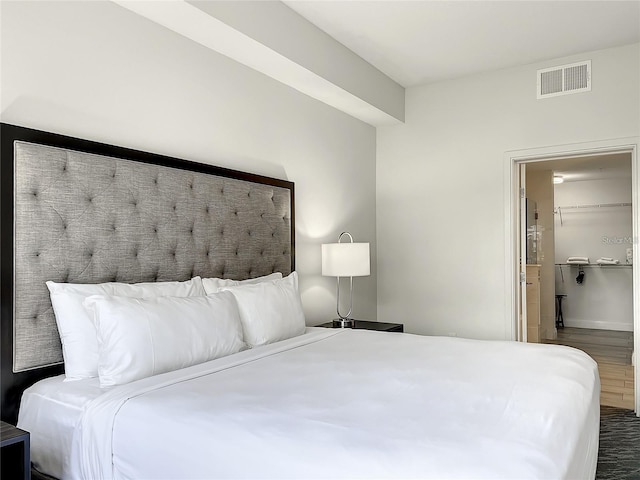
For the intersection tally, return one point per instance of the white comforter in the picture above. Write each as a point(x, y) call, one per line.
point(352, 404)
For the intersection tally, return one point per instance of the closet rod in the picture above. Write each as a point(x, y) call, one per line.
point(595, 205)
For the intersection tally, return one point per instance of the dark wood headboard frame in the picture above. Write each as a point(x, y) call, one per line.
point(13, 384)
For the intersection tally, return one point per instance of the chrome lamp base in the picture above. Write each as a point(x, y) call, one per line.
point(343, 323)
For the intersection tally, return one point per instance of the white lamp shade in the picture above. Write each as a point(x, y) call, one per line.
point(345, 260)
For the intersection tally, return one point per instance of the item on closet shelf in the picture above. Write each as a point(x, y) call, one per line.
point(607, 261)
point(578, 260)
point(629, 256)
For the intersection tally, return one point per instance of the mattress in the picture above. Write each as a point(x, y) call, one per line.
point(50, 411)
point(348, 404)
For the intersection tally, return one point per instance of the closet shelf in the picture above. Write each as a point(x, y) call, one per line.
point(619, 265)
point(595, 205)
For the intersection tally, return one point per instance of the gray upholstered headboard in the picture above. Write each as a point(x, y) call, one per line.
point(90, 213)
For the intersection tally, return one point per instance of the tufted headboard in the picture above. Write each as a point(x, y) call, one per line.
point(83, 212)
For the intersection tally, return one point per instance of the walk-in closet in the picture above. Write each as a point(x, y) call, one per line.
point(579, 236)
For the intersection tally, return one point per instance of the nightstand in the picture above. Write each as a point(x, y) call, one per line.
point(368, 325)
point(16, 453)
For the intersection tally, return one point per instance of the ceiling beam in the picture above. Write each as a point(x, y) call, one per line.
point(271, 38)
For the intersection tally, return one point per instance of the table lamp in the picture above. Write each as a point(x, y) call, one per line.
point(346, 259)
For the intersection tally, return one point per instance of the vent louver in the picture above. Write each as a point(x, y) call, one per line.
point(564, 80)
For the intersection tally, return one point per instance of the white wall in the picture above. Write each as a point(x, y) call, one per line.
point(441, 215)
point(97, 71)
point(604, 299)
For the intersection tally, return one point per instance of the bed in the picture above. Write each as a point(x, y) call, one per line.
point(255, 393)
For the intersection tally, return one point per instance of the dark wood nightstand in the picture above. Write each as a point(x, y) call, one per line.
point(368, 325)
point(16, 453)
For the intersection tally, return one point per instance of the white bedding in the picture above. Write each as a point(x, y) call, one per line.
point(351, 404)
point(50, 411)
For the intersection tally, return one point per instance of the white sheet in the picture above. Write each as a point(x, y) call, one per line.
point(353, 404)
point(50, 411)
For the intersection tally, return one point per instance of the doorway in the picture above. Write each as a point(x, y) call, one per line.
point(516, 163)
point(584, 210)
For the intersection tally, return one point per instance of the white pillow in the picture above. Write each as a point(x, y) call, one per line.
point(213, 285)
point(270, 311)
point(140, 337)
point(77, 332)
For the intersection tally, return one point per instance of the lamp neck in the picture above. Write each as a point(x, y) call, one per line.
point(346, 317)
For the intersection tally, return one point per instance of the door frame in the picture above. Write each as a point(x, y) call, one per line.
point(522, 329)
point(513, 160)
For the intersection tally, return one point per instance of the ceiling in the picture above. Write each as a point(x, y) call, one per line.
point(326, 48)
point(426, 41)
point(419, 42)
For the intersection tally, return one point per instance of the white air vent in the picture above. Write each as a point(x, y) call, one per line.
point(564, 79)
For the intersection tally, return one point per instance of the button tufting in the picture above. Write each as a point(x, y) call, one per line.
point(135, 255)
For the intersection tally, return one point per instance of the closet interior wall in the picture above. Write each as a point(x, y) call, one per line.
point(593, 219)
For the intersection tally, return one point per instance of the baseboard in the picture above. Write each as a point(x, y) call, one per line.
point(600, 325)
